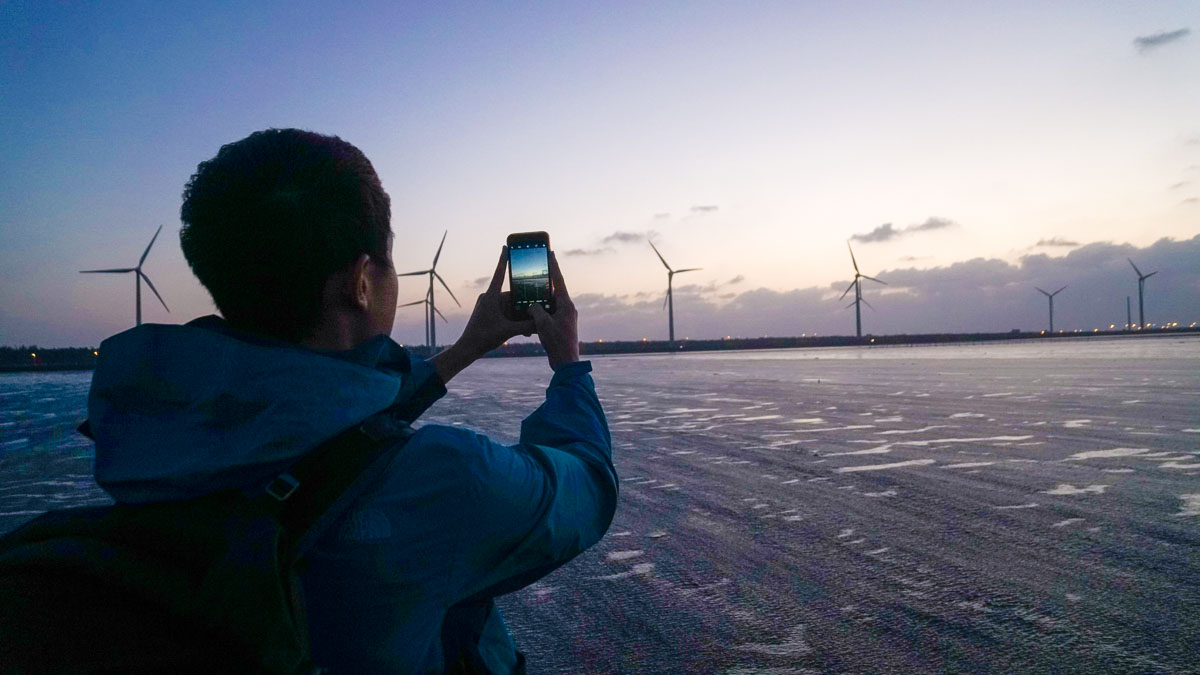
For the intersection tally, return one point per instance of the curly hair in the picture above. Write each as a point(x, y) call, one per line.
point(269, 219)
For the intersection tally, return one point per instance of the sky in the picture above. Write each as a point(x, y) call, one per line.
point(969, 152)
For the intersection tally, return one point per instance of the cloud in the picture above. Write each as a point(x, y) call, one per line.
point(704, 208)
point(884, 232)
point(1056, 241)
point(589, 251)
point(888, 232)
point(621, 237)
point(736, 280)
point(1178, 185)
point(662, 216)
point(1146, 43)
point(481, 281)
point(978, 295)
point(931, 224)
point(1191, 200)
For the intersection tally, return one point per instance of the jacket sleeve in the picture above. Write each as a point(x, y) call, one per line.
point(536, 505)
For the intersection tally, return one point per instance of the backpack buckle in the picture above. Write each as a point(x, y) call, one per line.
point(282, 486)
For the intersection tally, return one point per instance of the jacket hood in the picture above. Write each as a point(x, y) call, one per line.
point(180, 411)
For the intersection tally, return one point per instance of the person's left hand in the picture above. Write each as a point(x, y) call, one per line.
point(489, 325)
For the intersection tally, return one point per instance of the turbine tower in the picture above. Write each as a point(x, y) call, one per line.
point(432, 272)
point(669, 302)
point(857, 286)
point(428, 310)
point(1051, 297)
point(1141, 288)
point(138, 275)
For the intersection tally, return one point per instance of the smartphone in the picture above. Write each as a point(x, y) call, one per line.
point(529, 272)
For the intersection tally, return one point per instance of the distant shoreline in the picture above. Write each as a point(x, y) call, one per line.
point(69, 359)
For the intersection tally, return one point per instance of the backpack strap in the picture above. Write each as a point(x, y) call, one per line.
point(302, 498)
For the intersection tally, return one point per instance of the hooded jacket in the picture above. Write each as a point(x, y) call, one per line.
point(454, 520)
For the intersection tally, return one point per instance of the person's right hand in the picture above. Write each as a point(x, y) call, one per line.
point(559, 332)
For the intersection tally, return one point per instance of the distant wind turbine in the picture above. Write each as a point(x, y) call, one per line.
point(857, 286)
point(1051, 297)
point(428, 309)
point(1141, 288)
point(138, 275)
point(669, 302)
point(432, 272)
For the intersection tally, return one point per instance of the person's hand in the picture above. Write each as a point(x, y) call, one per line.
point(488, 328)
point(490, 325)
point(559, 332)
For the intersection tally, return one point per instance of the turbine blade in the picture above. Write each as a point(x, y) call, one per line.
point(1058, 291)
point(847, 290)
point(1150, 275)
point(665, 298)
point(1048, 295)
point(151, 285)
point(147, 251)
point(875, 280)
point(439, 313)
point(852, 260)
point(1135, 269)
point(850, 305)
point(664, 261)
point(439, 278)
point(690, 269)
point(868, 304)
point(413, 274)
point(439, 251)
point(410, 304)
point(122, 270)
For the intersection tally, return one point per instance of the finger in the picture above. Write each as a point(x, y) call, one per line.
point(540, 316)
point(498, 277)
point(560, 286)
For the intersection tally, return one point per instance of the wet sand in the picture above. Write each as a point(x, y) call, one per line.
point(900, 513)
point(979, 508)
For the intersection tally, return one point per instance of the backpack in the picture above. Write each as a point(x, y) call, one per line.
point(209, 584)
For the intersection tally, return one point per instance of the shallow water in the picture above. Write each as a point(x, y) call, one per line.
point(986, 507)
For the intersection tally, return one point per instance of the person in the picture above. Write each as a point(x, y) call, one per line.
point(290, 233)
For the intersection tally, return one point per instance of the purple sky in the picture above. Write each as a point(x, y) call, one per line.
point(969, 152)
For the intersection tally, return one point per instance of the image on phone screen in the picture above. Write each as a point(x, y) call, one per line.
point(530, 267)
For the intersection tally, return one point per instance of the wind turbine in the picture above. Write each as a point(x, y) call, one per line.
point(1051, 296)
point(1141, 287)
point(138, 275)
point(432, 272)
point(857, 286)
point(669, 302)
point(428, 309)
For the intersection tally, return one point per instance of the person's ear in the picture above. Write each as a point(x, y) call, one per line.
point(363, 282)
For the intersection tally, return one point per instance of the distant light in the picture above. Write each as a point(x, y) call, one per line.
point(96, 353)
point(643, 339)
point(1095, 330)
point(1042, 333)
point(600, 340)
point(33, 355)
point(1112, 326)
point(872, 339)
point(728, 337)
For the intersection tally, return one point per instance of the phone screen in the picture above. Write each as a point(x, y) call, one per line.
point(529, 270)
